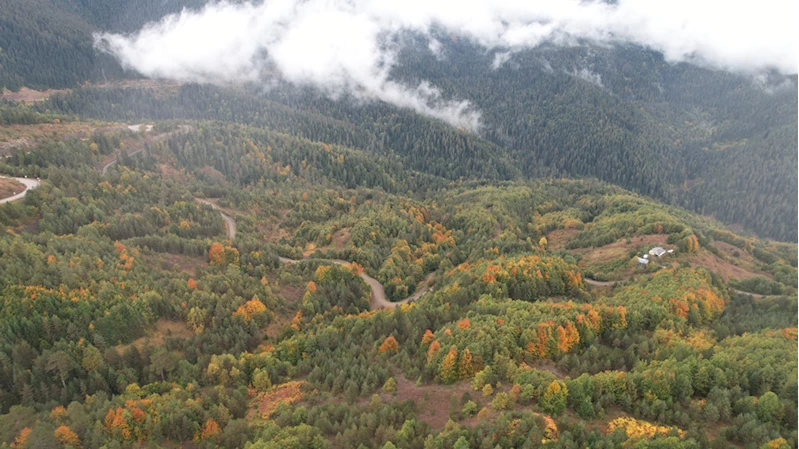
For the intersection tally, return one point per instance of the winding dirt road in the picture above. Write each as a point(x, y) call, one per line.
point(600, 283)
point(379, 300)
point(148, 139)
point(109, 164)
point(731, 290)
point(230, 223)
point(30, 183)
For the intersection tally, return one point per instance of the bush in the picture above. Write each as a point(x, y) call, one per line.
point(501, 402)
point(469, 409)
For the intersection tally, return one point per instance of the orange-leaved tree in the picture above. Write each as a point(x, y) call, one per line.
point(66, 436)
point(389, 345)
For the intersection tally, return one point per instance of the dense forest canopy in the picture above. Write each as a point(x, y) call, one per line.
point(206, 266)
point(717, 143)
point(130, 317)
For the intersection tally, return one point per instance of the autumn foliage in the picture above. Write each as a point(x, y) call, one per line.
point(210, 429)
point(389, 345)
point(466, 365)
point(22, 438)
point(434, 348)
point(250, 309)
point(428, 337)
point(66, 436)
point(449, 367)
point(636, 428)
point(223, 255)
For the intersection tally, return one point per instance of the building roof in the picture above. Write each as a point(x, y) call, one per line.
point(657, 251)
point(641, 260)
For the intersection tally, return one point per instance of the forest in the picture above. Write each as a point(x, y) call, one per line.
point(714, 142)
point(607, 261)
point(130, 317)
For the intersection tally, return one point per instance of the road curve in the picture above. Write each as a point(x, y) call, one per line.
point(379, 300)
point(157, 138)
point(109, 164)
point(753, 295)
point(600, 283)
point(731, 290)
point(30, 183)
point(230, 223)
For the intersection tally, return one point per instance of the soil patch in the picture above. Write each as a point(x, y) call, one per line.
point(10, 187)
point(171, 172)
point(726, 270)
point(187, 264)
point(29, 95)
point(341, 238)
point(17, 136)
point(213, 174)
point(163, 330)
point(549, 366)
point(432, 401)
point(620, 248)
point(558, 238)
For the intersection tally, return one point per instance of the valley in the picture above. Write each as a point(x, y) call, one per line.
point(383, 225)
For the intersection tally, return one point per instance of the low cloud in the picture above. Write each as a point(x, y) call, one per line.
point(587, 75)
point(346, 45)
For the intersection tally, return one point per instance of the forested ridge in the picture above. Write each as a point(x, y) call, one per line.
point(720, 144)
point(526, 303)
point(676, 154)
point(129, 319)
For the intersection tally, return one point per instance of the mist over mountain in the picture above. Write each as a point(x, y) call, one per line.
point(379, 224)
point(694, 108)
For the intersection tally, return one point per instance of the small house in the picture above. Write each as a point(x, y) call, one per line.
point(657, 251)
point(643, 261)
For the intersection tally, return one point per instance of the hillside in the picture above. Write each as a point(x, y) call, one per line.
point(717, 143)
point(129, 315)
point(382, 224)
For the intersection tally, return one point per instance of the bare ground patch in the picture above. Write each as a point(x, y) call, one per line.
point(726, 270)
point(186, 264)
point(213, 174)
point(549, 366)
point(341, 238)
point(28, 95)
point(17, 136)
point(620, 248)
point(558, 238)
point(10, 187)
point(432, 401)
point(171, 172)
point(157, 337)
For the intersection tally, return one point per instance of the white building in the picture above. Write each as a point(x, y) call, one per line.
point(657, 251)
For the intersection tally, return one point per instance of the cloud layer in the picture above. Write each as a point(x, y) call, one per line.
point(345, 45)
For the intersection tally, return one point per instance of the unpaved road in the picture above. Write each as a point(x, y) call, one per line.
point(600, 283)
point(109, 164)
point(754, 295)
point(379, 300)
point(145, 128)
point(732, 290)
point(230, 223)
point(30, 183)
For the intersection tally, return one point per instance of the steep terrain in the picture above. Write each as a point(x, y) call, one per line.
point(131, 312)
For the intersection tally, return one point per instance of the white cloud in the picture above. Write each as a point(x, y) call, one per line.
point(500, 59)
point(342, 45)
point(587, 75)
